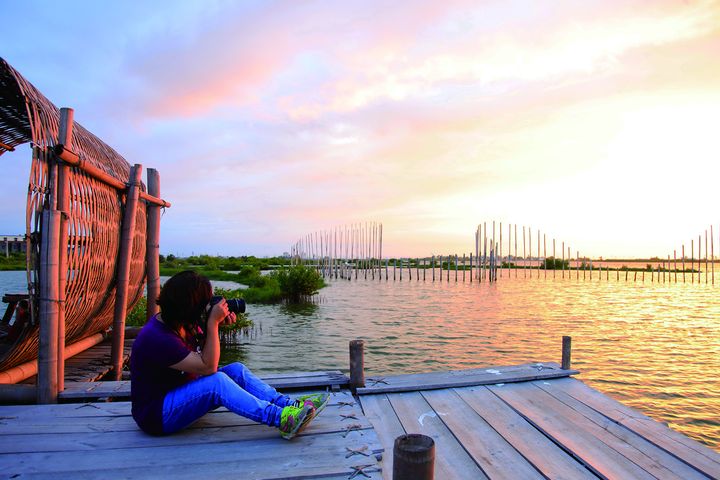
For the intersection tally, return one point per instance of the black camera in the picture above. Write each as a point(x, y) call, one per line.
point(235, 305)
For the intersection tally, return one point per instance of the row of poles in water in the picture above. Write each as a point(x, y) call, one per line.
point(355, 251)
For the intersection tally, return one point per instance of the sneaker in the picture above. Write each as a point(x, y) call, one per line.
point(294, 419)
point(317, 400)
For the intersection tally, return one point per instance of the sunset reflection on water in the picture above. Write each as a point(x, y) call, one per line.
point(653, 346)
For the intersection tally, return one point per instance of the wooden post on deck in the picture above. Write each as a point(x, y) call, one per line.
point(63, 205)
point(152, 248)
point(47, 390)
point(357, 364)
point(123, 269)
point(566, 353)
point(414, 457)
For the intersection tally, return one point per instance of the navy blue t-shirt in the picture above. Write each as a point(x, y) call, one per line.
point(154, 350)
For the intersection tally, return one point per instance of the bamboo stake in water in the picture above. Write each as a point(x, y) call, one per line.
point(538, 254)
point(706, 258)
point(464, 268)
point(471, 267)
point(683, 262)
point(515, 250)
point(712, 254)
point(545, 265)
point(501, 255)
point(692, 261)
point(524, 255)
point(433, 268)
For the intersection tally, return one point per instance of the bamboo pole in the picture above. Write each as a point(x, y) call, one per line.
point(152, 251)
point(712, 254)
point(123, 271)
point(692, 261)
point(65, 131)
point(47, 391)
point(464, 268)
point(500, 250)
point(471, 267)
point(683, 262)
point(524, 254)
point(516, 250)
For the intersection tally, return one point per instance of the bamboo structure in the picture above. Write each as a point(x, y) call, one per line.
point(77, 199)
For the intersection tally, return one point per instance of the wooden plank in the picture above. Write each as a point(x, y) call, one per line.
point(121, 388)
point(596, 448)
point(670, 466)
point(387, 426)
point(683, 447)
point(495, 456)
point(545, 455)
point(416, 416)
point(309, 455)
point(463, 378)
point(335, 418)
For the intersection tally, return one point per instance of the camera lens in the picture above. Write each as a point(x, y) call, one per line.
point(236, 305)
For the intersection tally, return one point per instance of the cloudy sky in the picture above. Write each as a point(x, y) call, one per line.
point(593, 121)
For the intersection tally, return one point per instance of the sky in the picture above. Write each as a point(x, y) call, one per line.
point(594, 122)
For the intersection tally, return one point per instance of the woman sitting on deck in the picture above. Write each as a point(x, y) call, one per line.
point(175, 378)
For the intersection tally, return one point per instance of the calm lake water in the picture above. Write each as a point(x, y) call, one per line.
point(653, 346)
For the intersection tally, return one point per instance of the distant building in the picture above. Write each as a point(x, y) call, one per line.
point(12, 244)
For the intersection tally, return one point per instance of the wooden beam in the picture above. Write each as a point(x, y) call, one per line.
point(123, 270)
point(63, 205)
point(152, 249)
point(49, 300)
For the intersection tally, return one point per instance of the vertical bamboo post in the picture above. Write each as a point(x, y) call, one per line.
point(47, 390)
point(123, 270)
point(152, 250)
point(357, 364)
point(516, 250)
point(433, 268)
point(524, 254)
point(706, 258)
point(563, 259)
point(712, 255)
point(471, 267)
point(683, 262)
point(65, 132)
point(424, 268)
point(448, 268)
point(456, 267)
point(409, 270)
point(413, 457)
point(463, 268)
point(500, 251)
point(566, 363)
point(554, 258)
point(692, 261)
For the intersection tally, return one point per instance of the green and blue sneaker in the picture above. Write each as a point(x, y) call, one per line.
point(294, 419)
point(317, 400)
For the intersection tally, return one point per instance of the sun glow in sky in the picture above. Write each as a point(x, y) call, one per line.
point(595, 122)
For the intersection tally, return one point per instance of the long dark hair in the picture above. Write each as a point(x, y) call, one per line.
point(183, 299)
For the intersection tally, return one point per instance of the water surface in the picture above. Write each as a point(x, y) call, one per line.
point(654, 346)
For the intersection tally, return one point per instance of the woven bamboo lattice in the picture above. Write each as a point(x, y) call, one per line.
point(95, 217)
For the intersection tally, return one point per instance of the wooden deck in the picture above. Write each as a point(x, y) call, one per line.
point(536, 428)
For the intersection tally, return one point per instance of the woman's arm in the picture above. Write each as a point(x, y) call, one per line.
point(206, 363)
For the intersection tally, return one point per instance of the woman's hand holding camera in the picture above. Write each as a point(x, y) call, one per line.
point(221, 315)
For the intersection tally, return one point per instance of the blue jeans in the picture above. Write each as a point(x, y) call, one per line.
point(233, 387)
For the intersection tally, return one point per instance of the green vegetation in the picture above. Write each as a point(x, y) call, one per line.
point(289, 283)
point(552, 263)
point(16, 261)
point(298, 282)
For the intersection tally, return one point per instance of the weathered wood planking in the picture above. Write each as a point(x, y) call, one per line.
point(380, 413)
point(463, 378)
point(490, 451)
point(220, 444)
point(642, 452)
point(688, 450)
point(592, 441)
point(545, 455)
point(121, 389)
point(451, 459)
